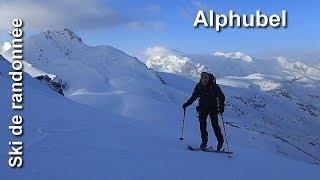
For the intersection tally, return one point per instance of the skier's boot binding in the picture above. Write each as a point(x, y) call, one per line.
point(219, 146)
point(203, 146)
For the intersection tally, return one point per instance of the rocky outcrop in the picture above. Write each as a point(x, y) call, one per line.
point(55, 83)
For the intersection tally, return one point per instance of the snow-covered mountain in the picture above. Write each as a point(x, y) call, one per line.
point(65, 140)
point(63, 49)
point(274, 98)
point(172, 61)
point(102, 77)
point(227, 64)
point(119, 106)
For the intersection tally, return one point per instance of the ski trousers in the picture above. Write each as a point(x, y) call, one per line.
point(203, 114)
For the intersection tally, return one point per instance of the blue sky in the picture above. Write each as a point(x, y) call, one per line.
point(133, 26)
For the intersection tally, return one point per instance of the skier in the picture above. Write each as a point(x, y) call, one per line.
point(211, 101)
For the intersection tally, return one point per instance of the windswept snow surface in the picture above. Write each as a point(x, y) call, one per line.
point(66, 140)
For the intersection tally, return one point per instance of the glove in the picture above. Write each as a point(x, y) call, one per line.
point(221, 109)
point(184, 106)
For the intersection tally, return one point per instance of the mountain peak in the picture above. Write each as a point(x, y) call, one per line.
point(172, 61)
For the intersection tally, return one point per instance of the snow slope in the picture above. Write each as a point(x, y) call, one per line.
point(275, 102)
point(67, 140)
point(102, 77)
point(259, 92)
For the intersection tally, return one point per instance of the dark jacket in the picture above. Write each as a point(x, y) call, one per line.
point(210, 96)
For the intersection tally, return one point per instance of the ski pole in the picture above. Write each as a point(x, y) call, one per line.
point(225, 135)
point(184, 115)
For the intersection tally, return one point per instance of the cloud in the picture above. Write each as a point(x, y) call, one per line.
point(186, 11)
point(234, 55)
point(153, 8)
point(82, 14)
point(160, 51)
point(200, 5)
point(189, 10)
point(136, 25)
point(157, 27)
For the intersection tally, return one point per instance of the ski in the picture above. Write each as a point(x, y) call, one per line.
point(210, 149)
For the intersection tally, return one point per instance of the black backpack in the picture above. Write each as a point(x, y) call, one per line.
point(212, 82)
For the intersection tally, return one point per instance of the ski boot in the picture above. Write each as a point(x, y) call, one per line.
point(203, 146)
point(219, 146)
